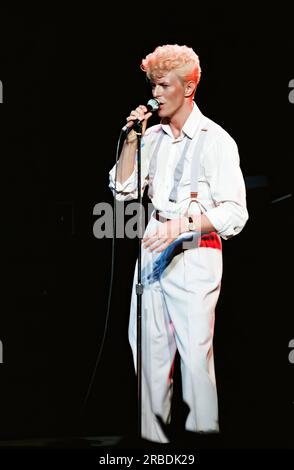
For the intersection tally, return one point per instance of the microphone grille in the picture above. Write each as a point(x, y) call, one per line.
point(153, 104)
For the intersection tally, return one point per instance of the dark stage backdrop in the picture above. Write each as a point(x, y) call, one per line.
point(68, 80)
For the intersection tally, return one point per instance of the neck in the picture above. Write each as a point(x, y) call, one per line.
point(178, 120)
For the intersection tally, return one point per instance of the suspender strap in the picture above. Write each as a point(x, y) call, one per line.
point(153, 164)
point(195, 164)
point(179, 172)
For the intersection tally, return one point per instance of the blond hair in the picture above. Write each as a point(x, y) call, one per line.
point(181, 59)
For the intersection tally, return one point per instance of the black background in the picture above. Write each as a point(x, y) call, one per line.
point(69, 80)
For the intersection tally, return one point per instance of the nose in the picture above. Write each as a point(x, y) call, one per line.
point(156, 91)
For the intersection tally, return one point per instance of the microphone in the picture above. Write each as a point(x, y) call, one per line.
point(152, 106)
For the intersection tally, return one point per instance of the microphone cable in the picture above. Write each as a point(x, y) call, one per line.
point(98, 358)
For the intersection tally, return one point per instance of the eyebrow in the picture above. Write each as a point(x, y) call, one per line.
point(162, 82)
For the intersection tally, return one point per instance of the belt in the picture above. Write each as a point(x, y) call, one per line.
point(160, 218)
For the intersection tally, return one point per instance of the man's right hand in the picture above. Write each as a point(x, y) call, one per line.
point(141, 113)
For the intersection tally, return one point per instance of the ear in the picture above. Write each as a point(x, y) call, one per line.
point(190, 87)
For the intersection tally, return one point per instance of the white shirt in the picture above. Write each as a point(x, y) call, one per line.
point(221, 188)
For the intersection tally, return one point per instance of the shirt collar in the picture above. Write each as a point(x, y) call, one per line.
point(191, 124)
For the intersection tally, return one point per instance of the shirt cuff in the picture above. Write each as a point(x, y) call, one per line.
point(228, 219)
point(128, 186)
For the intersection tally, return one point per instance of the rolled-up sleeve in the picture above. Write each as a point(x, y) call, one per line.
point(126, 190)
point(227, 187)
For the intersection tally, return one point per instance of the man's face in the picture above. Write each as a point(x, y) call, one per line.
point(169, 91)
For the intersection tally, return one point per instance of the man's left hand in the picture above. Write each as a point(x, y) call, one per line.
point(165, 234)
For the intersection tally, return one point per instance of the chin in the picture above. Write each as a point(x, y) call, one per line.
point(162, 114)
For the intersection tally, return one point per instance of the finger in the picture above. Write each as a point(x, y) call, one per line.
point(167, 229)
point(147, 116)
point(133, 116)
point(165, 245)
point(150, 235)
point(135, 113)
point(143, 108)
point(150, 241)
point(140, 113)
point(153, 238)
point(157, 245)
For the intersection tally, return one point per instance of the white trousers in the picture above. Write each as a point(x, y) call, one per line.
point(178, 314)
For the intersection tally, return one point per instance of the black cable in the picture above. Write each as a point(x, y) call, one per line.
point(110, 284)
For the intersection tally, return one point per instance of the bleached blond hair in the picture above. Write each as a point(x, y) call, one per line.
point(181, 59)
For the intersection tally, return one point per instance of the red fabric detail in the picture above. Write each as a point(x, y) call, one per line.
point(211, 240)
